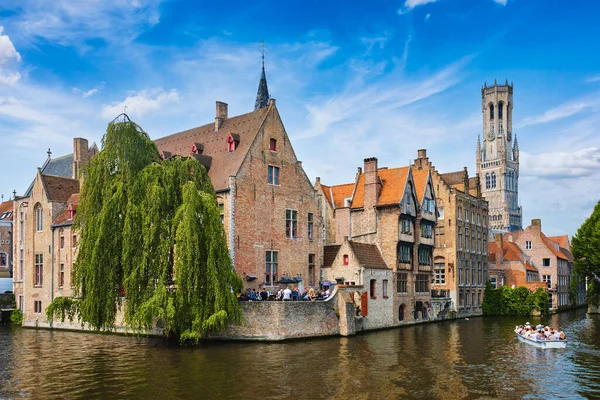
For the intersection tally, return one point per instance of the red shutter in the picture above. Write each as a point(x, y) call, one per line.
point(364, 304)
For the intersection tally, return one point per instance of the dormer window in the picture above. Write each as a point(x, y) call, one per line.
point(71, 212)
point(273, 145)
point(345, 259)
point(232, 142)
point(197, 148)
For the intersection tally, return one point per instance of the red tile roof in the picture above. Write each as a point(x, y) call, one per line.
point(339, 194)
point(562, 241)
point(368, 255)
point(512, 252)
point(550, 245)
point(393, 182)
point(6, 207)
point(420, 177)
point(63, 217)
point(224, 163)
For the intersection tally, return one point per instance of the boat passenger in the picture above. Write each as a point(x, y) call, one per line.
point(562, 335)
point(556, 335)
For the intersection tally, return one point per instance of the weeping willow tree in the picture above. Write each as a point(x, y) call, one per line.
point(151, 228)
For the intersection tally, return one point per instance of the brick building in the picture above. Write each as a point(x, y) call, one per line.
point(553, 261)
point(509, 265)
point(6, 232)
point(44, 249)
point(460, 259)
point(395, 210)
point(270, 210)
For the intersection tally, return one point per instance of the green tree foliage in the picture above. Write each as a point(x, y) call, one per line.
point(585, 246)
point(508, 301)
point(151, 228)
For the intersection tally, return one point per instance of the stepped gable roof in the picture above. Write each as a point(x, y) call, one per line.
point(452, 178)
point(512, 252)
point(420, 177)
point(393, 182)
point(329, 254)
point(63, 217)
point(562, 241)
point(224, 163)
point(6, 210)
point(59, 188)
point(368, 255)
point(550, 245)
point(473, 182)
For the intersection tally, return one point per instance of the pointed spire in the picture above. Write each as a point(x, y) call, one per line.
point(262, 96)
point(516, 145)
point(478, 143)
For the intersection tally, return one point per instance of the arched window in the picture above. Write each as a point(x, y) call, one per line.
point(500, 110)
point(491, 112)
point(488, 184)
point(39, 218)
point(493, 180)
point(401, 313)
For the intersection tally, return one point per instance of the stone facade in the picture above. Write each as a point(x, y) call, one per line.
point(498, 158)
point(554, 262)
point(460, 258)
point(6, 239)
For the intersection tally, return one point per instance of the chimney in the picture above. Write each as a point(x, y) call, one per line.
point(422, 153)
point(80, 157)
point(358, 173)
point(466, 179)
point(371, 182)
point(221, 114)
point(536, 225)
point(499, 249)
point(318, 181)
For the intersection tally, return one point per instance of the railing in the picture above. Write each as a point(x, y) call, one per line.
point(437, 293)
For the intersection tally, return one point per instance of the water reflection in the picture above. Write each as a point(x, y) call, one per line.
point(476, 358)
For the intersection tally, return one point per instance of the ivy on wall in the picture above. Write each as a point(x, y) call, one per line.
point(518, 301)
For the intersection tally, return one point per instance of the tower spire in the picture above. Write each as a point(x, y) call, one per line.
point(262, 96)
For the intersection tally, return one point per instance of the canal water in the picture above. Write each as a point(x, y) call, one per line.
point(477, 358)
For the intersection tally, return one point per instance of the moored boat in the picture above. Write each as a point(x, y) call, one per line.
point(544, 344)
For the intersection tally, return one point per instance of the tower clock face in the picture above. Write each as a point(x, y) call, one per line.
point(509, 135)
point(491, 135)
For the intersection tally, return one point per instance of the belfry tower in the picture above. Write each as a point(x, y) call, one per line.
point(498, 158)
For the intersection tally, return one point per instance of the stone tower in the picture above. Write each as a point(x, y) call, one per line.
point(498, 158)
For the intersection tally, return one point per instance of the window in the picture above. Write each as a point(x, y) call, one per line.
point(3, 260)
point(493, 180)
point(426, 230)
point(384, 289)
point(271, 267)
point(273, 145)
point(488, 181)
point(406, 226)
point(273, 172)
point(310, 226)
point(439, 273)
point(467, 299)
point(459, 213)
point(548, 280)
point(221, 207)
point(74, 240)
point(346, 259)
point(62, 242)
point(466, 215)
point(478, 219)
point(37, 307)
point(546, 262)
point(460, 272)
point(473, 240)
point(311, 270)
point(459, 238)
point(429, 205)
point(372, 288)
point(402, 282)
point(491, 112)
point(441, 212)
point(401, 313)
point(473, 298)
point(291, 224)
point(21, 263)
point(61, 276)
point(479, 274)
point(422, 283)
point(231, 143)
point(494, 281)
point(472, 216)
point(404, 253)
point(39, 219)
point(467, 275)
point(39, 270)
point(467, 239)
point(527, 245)
point(424, 256)
point(500, 108)
point(473, 274)
point(479, 298)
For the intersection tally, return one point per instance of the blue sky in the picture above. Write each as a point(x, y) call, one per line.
point(352, 79)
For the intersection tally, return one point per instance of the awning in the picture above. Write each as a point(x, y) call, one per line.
point(250, 277)
point(326, 283)
point(298, 279)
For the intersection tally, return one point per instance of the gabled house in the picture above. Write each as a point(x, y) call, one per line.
point(394, 209)
point(360, 270)
point(6, 238)
point(269, 208)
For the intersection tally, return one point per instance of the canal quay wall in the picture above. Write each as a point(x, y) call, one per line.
point(273, 321)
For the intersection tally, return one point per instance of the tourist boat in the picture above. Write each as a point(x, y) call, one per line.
point(544, 344)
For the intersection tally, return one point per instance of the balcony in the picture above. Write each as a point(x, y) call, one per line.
point(439, 293)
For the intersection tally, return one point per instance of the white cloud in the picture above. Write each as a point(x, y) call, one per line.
point(410, 4)
point(69, 23)
point(502, 2)
point(568, 109)
point(87, 93)
point(559, 165)
point(427, 17)
point(9, 57)
point(9, 79)
point(591, 79)
point(140, 103)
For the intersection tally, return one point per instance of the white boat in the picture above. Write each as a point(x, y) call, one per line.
point(544, 344)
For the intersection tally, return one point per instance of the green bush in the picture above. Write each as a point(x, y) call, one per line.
point(508, 301)
point(16, 317)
